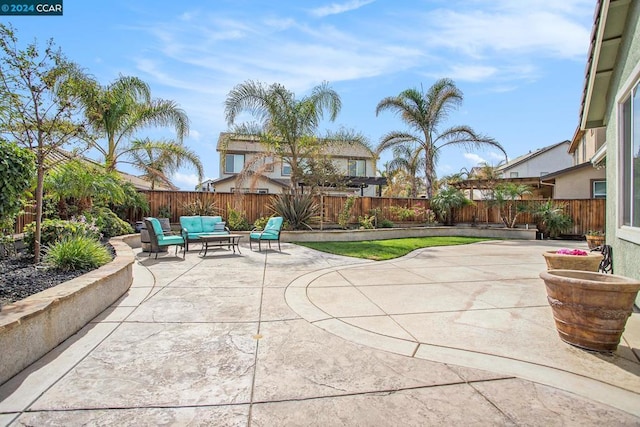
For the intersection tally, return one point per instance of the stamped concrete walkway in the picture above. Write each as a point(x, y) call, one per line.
point(451, 335)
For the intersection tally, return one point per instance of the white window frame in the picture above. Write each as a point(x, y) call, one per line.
point(283, 169)
point(233, 164)
point(268, 163)
point(595, 194)
point(513, 174)
point(625, 232)
point(357, 162)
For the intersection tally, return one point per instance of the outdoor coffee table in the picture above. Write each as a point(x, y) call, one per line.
point(228, 240)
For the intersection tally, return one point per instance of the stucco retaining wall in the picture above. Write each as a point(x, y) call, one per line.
point(32, 327)
point(398, 233)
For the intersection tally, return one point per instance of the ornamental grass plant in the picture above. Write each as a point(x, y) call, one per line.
point(77, 253)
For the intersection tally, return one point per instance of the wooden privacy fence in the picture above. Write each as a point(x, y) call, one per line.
point(587, 214)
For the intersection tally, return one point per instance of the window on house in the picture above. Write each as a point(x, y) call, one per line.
point(513, 174)
point(286, 169)
point(598, 189)
point(357, 167)
point(247, 190)
point(630, 157)
point(268, 164)
point(233, 163)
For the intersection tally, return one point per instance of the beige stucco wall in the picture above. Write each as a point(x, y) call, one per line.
point(225, 187)
point(577, 185)
point(625, 243)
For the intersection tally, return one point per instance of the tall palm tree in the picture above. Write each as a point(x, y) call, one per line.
point(122, 108)
point(425, 113)
point(285, 124)
point(408, 160)
point(158, 160)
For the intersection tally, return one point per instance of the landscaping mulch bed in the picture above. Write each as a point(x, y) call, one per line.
point(20, 278)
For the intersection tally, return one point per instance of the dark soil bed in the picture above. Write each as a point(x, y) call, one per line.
point(20, 278)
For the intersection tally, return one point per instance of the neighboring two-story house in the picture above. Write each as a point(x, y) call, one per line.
point(523, 170)
point(538, 163)
point(611, 98)
point(270, 175)
point(585, 179)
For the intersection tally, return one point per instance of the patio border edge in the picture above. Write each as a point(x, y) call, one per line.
point(32, 327)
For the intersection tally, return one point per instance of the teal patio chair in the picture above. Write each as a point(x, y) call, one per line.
point(159, 239)
point(271, 232)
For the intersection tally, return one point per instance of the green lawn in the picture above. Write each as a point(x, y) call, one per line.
point(379, 250)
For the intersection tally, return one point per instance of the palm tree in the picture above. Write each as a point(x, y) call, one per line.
point(124, 107)
point(286, 125)
point(506, 197)
point(406, 159)
point(491, 175)
point(77, 185)
point(160, 159)
point(424, 113)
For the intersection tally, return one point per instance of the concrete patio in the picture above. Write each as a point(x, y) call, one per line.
point(449, 335)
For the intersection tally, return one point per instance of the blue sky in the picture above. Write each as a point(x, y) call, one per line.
point(520, 64)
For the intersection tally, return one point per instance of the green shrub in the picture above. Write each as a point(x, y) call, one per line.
point(367, 221)
point(261, 222)
point(345, 214)
point(53, 230)
point(297, 210)
point(109, 223)
point(551, 219)
point(402, 213)
point(164, 212)
point(17, 169)
point(77, 253)
point(385, 223)
point(236, 220)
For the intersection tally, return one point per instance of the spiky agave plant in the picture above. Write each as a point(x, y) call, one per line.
point(298, 210)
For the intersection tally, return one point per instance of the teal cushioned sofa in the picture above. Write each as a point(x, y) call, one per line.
point(194, 226)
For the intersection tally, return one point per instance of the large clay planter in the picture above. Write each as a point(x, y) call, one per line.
point(594, 241)
point(590, 309)
point(589, 262)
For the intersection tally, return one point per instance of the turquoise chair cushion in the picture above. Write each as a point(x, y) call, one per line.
point(263, 236)
point(209, 222)
point(171, 240)
point(157, 228)
point(193, 224)
point(271, 230)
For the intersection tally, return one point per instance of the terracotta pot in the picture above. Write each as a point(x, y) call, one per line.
point(590, 309)
point(594, 241)
point(589, 262)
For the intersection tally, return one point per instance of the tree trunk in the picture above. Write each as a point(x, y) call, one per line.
point(39, 199)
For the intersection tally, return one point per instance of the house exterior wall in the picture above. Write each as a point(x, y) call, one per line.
point(253, 151)
point(624, 240)
point(591, 141)
point(577, 185)
point(259, 186)
point(554, 159)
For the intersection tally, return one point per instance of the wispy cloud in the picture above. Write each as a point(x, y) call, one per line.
point(474, 159)
point(337, 8)
point(185, 180)
point(511, 27)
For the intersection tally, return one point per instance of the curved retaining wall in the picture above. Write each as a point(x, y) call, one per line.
point(32, 327)
point(398, 233)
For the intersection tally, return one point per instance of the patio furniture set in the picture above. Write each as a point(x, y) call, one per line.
point(209, 231)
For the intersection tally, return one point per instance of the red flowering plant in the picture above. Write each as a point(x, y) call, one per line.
point(565, 251)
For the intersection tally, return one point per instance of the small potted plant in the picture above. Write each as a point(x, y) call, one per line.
point(594, 238)
point(572, 259)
